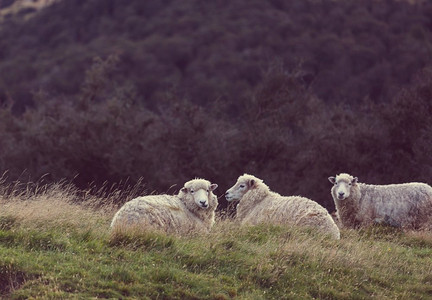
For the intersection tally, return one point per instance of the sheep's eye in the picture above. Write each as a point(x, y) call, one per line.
point(208, 191)
point(192, 191)
point(242, 186)
point(350, 183)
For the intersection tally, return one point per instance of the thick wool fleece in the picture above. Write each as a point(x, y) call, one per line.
point(407, 205)
point(173, 214)
point(260, 205)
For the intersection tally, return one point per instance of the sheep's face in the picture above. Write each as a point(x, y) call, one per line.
point(244, 184)
point(342, 185)
point(201, 193)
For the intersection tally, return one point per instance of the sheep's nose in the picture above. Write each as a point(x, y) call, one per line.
point(203, 203)
point(226, 194)
point(341, 194)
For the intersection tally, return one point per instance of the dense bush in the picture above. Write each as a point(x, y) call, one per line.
point(283, 134)
point(163, 103)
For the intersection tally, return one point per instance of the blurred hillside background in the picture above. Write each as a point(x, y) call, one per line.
point(108, 91)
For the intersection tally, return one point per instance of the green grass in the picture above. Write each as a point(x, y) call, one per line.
point(55, 256)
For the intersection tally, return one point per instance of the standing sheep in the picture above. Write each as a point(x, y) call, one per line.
point(193, 209)
point(407, 205)
point(260, 205)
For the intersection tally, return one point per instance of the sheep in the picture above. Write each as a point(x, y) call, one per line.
point(407, 206)
point(192, 210)
point(257, 204)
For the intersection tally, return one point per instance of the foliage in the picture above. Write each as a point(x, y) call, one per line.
point(283, 134)
point(348, 50)
point(115, 95)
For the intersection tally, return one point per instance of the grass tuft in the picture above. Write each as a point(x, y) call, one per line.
point(12, 277)
point(33, 241)
point(7, 222)
point(142, 240)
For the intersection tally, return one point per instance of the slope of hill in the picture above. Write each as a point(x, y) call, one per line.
point(344, 50)
point(53, 248)
point(10, 8)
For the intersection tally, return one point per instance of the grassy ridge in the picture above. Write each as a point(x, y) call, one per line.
point(53, 248)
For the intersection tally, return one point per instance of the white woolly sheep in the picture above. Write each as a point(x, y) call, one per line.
point(407, 205)
point(260, 205)
point(193, 209)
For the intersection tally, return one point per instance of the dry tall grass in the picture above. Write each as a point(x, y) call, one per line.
point(58, 205)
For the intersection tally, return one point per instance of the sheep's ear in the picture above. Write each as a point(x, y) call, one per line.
point(332, 179)
point(213, 186)
point(354, 181)
point(251, 182)
point(184, 190)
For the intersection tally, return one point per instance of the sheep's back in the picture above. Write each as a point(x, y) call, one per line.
point(157, 211)
point(291, 210)
point(402, 204)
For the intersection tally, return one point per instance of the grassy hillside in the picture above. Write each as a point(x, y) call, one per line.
point(53, 248)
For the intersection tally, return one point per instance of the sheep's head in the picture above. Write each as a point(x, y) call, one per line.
point(342, 185)
point(244, 184)
point(201, 192)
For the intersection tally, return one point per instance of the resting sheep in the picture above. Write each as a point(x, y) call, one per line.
point(260, 205)
point(407, 205)
point(193, 209)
